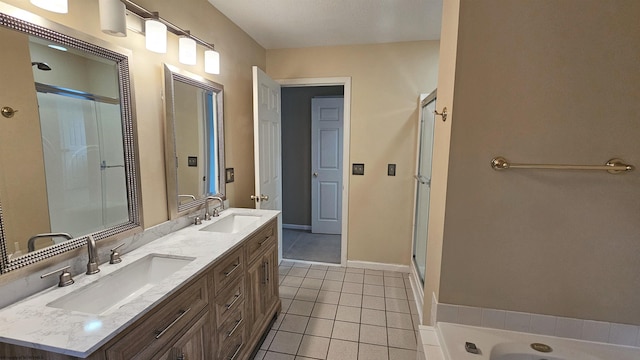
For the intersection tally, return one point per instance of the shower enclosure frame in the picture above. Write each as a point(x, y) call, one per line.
point(424, 156)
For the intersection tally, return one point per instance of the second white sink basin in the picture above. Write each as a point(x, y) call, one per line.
point(231, 224)
point(119, 288)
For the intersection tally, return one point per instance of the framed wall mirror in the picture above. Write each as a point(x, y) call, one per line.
point(194, 140)
point(68, 154)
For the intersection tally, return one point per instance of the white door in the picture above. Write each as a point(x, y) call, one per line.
point(266, 144)
point(326, 164)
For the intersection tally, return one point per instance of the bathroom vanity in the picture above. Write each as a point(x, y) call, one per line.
point(217, 303)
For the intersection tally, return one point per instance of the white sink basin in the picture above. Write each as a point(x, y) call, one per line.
point(231, 224)
point(122, 286)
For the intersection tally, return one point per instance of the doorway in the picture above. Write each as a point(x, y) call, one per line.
point(302, 238)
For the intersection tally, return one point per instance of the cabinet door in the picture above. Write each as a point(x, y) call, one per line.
point(270, 287)
point(255, 303)
point(193, 345)
point(262, 279)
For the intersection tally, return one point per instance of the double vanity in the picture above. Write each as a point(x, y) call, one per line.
point(207, 291)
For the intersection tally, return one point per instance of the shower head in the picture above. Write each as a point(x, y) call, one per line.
point(41, 66)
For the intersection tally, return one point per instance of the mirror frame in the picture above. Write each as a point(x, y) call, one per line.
point(15, 19)
point(171, 74)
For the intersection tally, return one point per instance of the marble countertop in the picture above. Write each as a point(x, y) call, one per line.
point(31, 323)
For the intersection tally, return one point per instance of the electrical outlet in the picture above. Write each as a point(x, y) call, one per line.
point(358, 169)
point(192, 161)
point(391, 170)
point(229, 175)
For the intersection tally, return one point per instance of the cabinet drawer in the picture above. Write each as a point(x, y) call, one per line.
point(261, 241)
point(150, 335)
point(229, 300)
point(232, 325)
point(233, 347)
point(227, 270)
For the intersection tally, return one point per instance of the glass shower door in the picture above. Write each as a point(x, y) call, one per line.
point(423, 184)
point(84, 163)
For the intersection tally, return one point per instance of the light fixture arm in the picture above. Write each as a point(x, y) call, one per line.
point(146, 14)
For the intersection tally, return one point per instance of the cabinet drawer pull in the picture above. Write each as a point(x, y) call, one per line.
point(235, 298)
point(235, 353)
point(263, 241)
point(227, 273)
point(159, 333)
point(235, 327)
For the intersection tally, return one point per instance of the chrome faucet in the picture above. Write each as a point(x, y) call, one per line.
point(188, 196)
point(92, 265)
point(207, 216)
point(31, 244)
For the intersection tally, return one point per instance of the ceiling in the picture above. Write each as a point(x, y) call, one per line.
point(277, 24)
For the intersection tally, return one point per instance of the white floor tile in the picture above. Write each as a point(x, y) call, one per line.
point(354, 300)
point(346, 331)
point(373, 352)
point(371, 334)
point(348, 313)
point(294, 323)
point(399, 338)
point(319, 327)
point(314, 347)
point(373, 317)
point(342, 350)
point(286, 342)
point(324, 311)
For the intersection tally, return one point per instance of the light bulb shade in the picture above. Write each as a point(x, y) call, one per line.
point(113, 19)
point(156, 36)
point(187, 51)
point(59, 6)
point(212, 62)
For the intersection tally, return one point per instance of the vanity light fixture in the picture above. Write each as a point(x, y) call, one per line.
point(212, 62)
point(156, 35)
point(113, 20)
point(58, 6)
point(187, 52)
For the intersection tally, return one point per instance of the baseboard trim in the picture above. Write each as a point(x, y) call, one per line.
point(296, 227)
point(418, 292)
point(378, 266)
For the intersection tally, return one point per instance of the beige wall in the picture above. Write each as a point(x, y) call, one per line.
point(22, 182)
point(545, 82)
point(386, 82)
point(238, 53)
point(440, 163)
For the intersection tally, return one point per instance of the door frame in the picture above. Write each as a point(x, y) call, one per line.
point(346, 141)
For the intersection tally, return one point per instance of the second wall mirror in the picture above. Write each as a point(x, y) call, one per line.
point(194, 140)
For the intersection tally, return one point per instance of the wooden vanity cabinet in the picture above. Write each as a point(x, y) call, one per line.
point(193, 344)
point(221, 314)
point(262, 282)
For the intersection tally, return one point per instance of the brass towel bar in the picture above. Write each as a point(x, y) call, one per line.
point(613, 166)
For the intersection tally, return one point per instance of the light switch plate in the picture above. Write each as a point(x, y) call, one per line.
point(391, 170)
point(358, 169)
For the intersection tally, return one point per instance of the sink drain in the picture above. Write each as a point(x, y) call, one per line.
point(541, 347)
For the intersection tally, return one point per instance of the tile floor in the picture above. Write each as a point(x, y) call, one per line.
point(304, 245)
point(338, 313)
